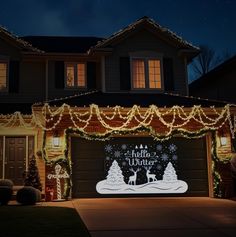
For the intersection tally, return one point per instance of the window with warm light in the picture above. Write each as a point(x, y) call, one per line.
point(3, 76)
point(146, 73)
point(75, 75)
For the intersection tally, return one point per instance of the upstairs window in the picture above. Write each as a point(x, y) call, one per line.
point(75, 75)
point(146, 73)
point(3, 76)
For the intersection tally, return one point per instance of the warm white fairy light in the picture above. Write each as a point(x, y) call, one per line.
point(174, 118)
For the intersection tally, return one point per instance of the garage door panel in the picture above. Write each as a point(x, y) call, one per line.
point(196, 154)
point(85, 188)
point(192, 164)
point(89, 163)
point(192, 174)
point(197, 184)
point(86, 175)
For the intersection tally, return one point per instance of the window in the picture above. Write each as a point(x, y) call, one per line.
point(3, 76)
point(75, 75)
point(146, 73)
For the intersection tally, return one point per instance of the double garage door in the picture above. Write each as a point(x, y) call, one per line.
point(139, 161)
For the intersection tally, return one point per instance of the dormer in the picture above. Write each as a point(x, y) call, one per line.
point(145, 57)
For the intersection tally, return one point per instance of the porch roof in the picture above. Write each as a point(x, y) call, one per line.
point(10, 108)
point(129, 99)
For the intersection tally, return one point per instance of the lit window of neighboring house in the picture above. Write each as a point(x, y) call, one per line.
point(3, 76)
point(146, 73)
point(75, 75)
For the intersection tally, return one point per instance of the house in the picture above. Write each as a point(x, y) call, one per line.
point(218, 84)
point(110, 117)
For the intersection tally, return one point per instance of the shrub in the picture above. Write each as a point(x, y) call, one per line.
point(5, 194)
point(27, 195)
point(38, 195)
point(6, 182)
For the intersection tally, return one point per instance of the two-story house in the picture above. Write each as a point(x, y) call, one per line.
point(114, 113)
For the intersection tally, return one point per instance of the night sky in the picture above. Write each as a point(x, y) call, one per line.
point(210, 22)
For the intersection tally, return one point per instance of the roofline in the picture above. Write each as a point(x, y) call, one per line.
point(145, 19)
point(22, 43)
point(166, 93)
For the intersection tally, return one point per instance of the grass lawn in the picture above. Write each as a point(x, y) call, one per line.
point(40, 221)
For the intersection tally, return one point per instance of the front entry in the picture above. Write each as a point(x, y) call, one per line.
point(15, 159)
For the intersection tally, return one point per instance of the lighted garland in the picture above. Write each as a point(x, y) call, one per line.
point(66, 160)
point(63, 161)
point(216, 161)
point(197, 113)
point(49, 118)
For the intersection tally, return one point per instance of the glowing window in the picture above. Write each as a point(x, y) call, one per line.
point(3, 76)
point(138, 72)
point(75, 75)
point(146, 73)
point(154, 74)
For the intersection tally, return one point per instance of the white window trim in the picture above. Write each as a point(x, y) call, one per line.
point(4, 59)
point(75, 73)
point(146, 56)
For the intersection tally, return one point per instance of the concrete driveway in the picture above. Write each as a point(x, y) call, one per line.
point(149, 217)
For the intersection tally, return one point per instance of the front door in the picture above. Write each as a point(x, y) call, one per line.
point(15, 159)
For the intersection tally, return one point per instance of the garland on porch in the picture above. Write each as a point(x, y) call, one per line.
point(171, 119)
point(174, 118)
point(63, 161)
point(216, 161)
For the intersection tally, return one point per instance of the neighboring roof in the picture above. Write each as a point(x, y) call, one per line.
point(10, 108)
point(214, 74)
point(62, 44)
point(20, 42)
point(146, 20)
point(130, 99)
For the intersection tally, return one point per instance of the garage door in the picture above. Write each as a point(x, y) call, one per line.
point(139, 166)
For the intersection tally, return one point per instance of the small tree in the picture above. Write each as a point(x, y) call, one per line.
point(205, 61)
point(32, 175)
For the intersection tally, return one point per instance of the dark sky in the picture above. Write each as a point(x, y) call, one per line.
point(211, 22)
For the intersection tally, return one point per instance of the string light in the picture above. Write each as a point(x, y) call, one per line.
point(120, 119)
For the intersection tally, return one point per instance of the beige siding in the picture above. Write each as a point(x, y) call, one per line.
point(143, 41)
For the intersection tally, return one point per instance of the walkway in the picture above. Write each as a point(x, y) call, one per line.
point(149, 217)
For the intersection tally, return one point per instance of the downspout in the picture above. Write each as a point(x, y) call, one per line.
point(186, 75)
point(103, 74)
point(46, 81)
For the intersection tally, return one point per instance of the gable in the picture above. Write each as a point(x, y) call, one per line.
point(144, 40)
point(150, 25)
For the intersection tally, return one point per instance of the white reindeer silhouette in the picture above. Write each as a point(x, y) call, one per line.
point(132, 178)
point(150, 177)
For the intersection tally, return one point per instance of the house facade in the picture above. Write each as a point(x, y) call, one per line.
point(109, 117)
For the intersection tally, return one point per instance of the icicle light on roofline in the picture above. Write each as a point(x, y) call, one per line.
point(48, 118)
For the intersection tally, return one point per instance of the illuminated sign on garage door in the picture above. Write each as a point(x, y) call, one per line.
point(140, 169)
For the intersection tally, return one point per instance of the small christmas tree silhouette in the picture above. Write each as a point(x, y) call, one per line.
point(115, 176)
point(169, 173)
point(32, 175)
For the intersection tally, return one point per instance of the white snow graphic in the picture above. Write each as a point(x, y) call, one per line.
point(115, 176)
point(114, 184)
